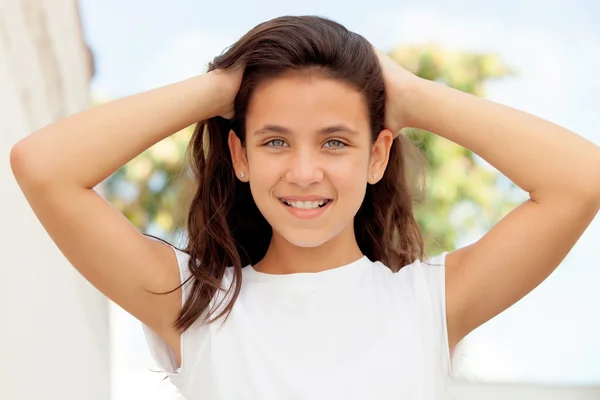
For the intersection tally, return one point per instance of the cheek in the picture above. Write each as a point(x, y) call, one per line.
point(349, 177)
point(265, 171)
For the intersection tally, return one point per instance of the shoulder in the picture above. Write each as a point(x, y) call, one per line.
point(181, 256)
point(424, 270)
point(428, 271)
point(422, 281)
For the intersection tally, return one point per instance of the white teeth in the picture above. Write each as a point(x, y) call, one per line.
point(305, 205)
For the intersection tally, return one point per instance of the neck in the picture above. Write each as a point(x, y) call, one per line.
point(283, 257)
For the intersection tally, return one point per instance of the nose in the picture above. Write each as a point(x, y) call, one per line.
point(305, 168)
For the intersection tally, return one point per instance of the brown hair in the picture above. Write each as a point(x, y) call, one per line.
point(225, 228)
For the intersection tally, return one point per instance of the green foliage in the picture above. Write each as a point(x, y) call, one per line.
point(151, 190)
point(462, 196)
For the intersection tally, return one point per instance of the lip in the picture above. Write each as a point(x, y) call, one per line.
point(304, 198)
point(306, 214)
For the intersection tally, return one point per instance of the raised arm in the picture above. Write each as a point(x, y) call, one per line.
point(58, 166)
point(559, 169)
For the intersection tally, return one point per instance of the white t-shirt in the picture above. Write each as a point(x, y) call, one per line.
point(359, 331)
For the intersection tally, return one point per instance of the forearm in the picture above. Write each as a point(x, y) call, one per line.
point(88, 147)
point(540, 157)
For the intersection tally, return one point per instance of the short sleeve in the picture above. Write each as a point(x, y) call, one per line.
point(435, 276)
point(426, 281)
point(159, 350)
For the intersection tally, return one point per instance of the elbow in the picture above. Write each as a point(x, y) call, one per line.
point(595, 184)
point(22, 165)
point(596, 196)
point(583, 189)
point(18, 160)
point(592, 190)
point(585, 184)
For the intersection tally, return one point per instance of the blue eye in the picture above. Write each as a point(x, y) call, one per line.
point(335, 144)
point(275, 143)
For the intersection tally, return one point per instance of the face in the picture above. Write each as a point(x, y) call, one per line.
point(309, 156)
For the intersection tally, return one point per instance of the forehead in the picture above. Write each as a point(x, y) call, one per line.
point(307, 102)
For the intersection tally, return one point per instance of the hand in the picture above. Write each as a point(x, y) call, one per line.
point(398, 83)
point(227, 84)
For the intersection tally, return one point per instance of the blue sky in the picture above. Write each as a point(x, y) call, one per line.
point(552, 335)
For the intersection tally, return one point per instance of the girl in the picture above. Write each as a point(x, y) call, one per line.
point(305, 275)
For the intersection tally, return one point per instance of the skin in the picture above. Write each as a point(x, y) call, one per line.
point(58, 166)
point(298, 159)
point(525, 247)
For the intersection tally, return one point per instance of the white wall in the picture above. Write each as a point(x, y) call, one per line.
point(54, 325)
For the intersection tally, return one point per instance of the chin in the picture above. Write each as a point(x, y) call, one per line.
point(309, 237)
point(307, 242)
point(306, 239)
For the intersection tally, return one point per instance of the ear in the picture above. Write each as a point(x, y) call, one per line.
point(380, 154)
point(238, 156)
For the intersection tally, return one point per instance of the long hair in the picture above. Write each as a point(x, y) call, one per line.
point(224, 226)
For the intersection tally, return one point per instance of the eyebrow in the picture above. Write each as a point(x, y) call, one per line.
point(285, 131)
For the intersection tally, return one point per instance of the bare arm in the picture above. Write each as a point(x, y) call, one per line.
point(58, 166)
point(86, 148)
point(559, 169)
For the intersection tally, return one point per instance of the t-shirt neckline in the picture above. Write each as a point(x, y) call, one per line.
point(342, 272)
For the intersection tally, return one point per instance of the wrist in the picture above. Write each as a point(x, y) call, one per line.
point(408, 92)
point(213, 93)
point(225, 84)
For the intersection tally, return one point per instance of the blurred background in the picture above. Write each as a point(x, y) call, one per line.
point(60, 338)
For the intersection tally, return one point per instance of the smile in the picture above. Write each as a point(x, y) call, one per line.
point(306, 209)
point(305, 205)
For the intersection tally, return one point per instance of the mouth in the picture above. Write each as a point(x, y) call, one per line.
point(305, 205)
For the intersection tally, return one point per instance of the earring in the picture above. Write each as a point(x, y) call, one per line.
point(374, 176)
point(241, 174)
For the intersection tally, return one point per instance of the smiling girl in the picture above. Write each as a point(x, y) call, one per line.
point(304, 276)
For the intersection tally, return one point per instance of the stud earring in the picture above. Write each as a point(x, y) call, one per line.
point(374, 176)
point(241, 174)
